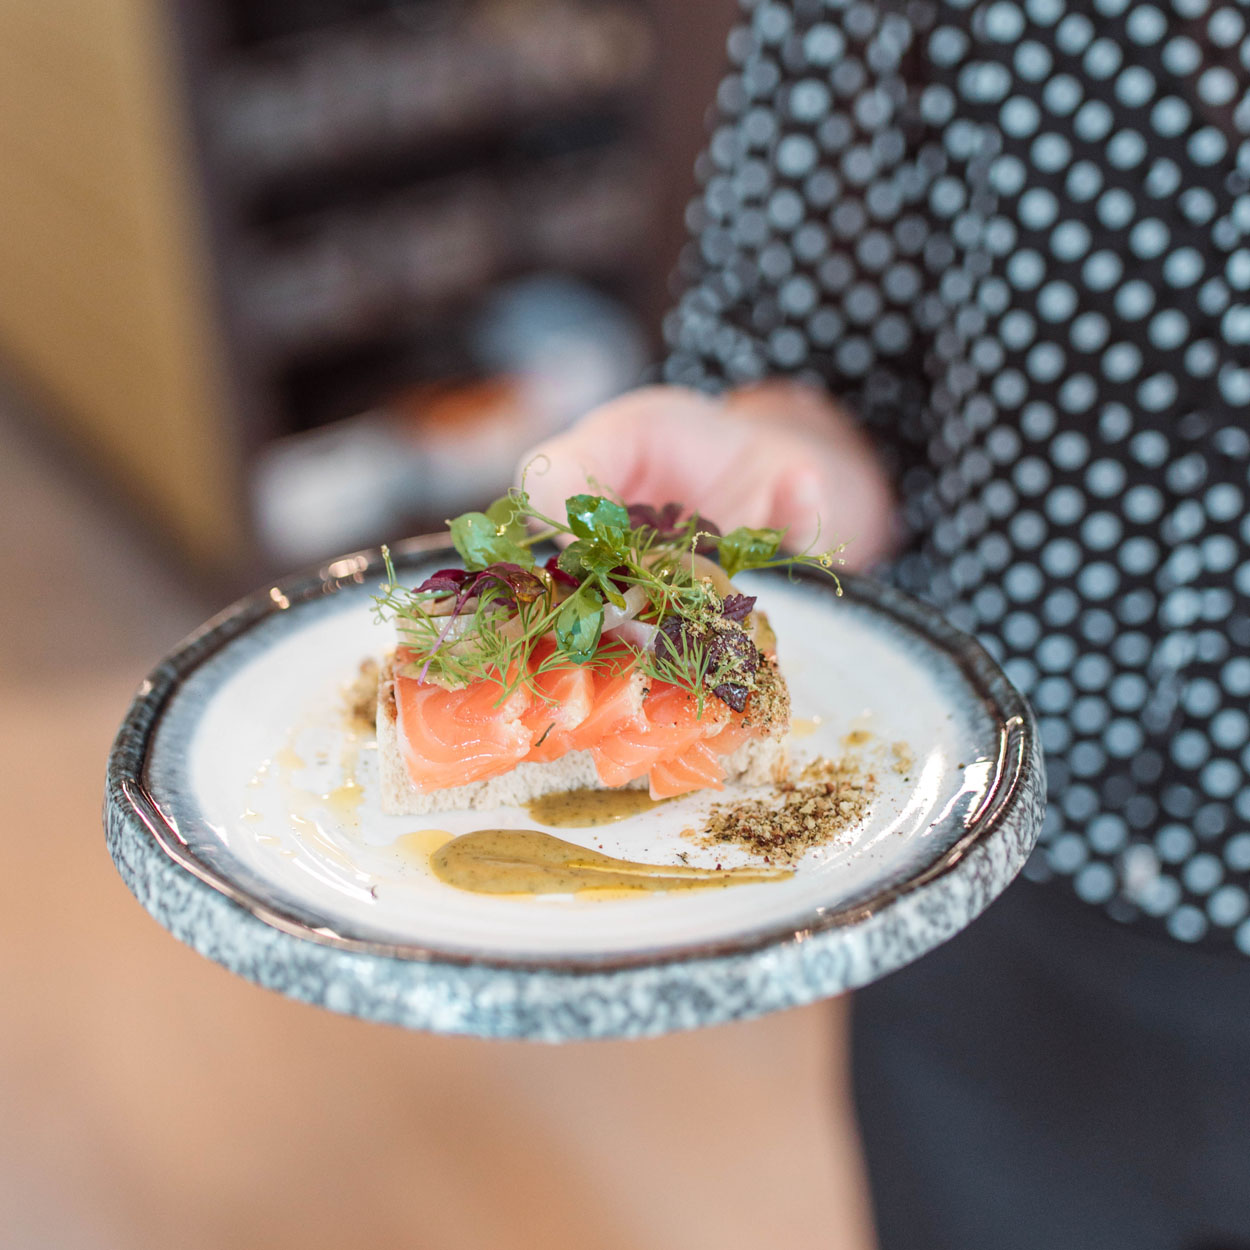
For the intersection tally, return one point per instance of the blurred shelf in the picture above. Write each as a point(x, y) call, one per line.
point(412, 259)
point(442, 79)
point(234, 222)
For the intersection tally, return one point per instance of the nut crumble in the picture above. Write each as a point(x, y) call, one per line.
point(828, 798)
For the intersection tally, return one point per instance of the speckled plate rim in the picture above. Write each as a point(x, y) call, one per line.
point(614, 996)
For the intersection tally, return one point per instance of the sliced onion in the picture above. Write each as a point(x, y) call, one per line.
point(460, 628)
point(701, 567)
point(464, 626)
point(636, 634)
point(635, 601)
point(445, 606)
point(761, 633)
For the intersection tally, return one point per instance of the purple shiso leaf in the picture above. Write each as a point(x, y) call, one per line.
point(673, 641)
point(521, 585)
point(737, 607)
point(558, 575)
point(705, 545)
point(444, 582)
point(668, 522)
point(732, 693)
point(732, 645)
point(518, 586)
point(662, 520)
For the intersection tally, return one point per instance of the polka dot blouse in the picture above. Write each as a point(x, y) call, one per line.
point(1015, 238)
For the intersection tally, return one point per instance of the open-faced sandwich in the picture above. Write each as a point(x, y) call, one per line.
point(628, 659)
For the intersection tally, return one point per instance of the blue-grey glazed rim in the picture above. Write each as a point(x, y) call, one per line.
point(614, 996)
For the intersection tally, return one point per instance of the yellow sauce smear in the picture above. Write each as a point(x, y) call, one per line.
point(289, 760)
point(345, 800)
point(805, 726)
point(583, 809)
point(525, 861)
point(424, 842)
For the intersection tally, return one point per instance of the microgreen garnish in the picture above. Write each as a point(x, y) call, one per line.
point(635, 585)
point(579, 623)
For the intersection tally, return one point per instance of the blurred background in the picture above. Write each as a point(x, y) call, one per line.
point(279, 278)
point(295, 275)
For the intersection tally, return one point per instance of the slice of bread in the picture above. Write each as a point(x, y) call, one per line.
point(759, 761)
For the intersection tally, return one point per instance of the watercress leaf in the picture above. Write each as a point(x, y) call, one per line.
point(593, 516)
point(508, 515)
point(589, 559)
point(481, 543)
point(744, 548)
point(610, 591)
point(580, 623)
point(570, 559)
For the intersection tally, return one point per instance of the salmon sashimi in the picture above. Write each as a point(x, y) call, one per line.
point(455, 737)
point(564, 699)
point(614, 701)
point(698, 767)
point(618, 706)
point(670, 725)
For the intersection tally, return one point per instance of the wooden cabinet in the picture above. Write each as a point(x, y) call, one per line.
point(106, 280)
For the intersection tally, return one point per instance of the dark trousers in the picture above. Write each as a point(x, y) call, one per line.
point(1050, 1080)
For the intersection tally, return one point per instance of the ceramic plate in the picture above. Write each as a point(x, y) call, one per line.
point(242, 812)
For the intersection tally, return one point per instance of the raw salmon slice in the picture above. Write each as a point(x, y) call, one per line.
point(453, 737)
point(698, 767)
point(614, 700)
point(563, 700)
point(669, 727)
point(618, 706)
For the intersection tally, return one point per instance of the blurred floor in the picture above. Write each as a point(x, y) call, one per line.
point(148, 1098)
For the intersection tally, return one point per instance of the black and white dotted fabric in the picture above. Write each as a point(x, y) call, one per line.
point(1015, 238)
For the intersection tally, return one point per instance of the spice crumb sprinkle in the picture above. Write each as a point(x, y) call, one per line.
point(828, 798)
point(360, 698)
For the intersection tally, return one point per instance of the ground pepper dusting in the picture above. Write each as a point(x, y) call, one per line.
point(828, 798)
point(360, 698)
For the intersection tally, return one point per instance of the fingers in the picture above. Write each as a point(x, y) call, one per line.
point(828, 486)
point(807, 408)
point(779, 454)
point(643, 446)
point(822, 507)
